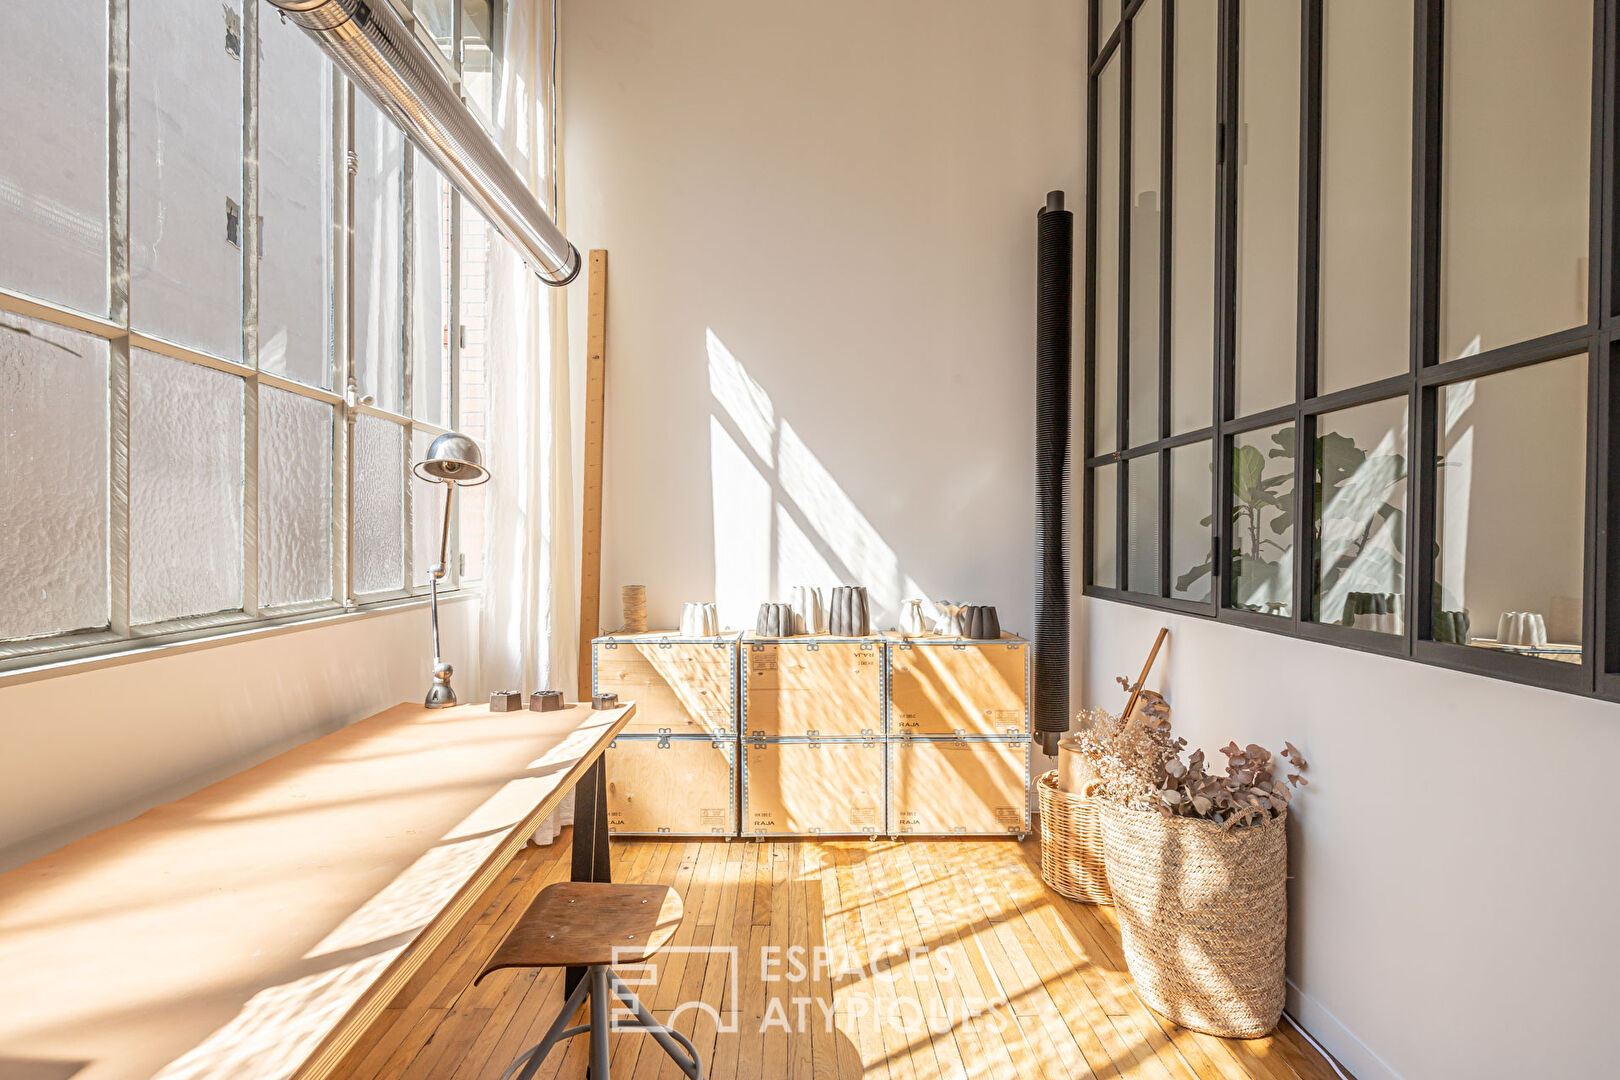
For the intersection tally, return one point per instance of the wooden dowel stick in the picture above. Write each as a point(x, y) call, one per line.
point(1141, 680)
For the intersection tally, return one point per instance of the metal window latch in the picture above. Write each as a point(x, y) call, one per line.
point(233, 223)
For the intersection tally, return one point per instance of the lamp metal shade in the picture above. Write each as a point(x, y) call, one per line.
point(453, 458)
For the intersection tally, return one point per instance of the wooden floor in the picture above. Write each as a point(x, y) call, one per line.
point(939, 959)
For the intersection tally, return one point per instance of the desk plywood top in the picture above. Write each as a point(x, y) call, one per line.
point(234, 932)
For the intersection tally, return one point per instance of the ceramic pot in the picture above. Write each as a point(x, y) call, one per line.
point(775, 620)
point(848, 615)
point(949, 623)
point(1373, 611)
point(809, 617)
point(1451, 626)
point(699, 620)
point(1521, 628)
point(913, 623)
point(980, 623)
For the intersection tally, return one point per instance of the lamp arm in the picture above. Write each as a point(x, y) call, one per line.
point(438, 570)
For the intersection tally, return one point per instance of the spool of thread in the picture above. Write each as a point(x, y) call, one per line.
point(633, 600)
point(545, 701)
point(604, 701)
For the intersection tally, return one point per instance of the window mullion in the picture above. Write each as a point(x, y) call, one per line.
point(453, 406)
point(1305, 359)
point(118, 268)
point(1167, 137)
point(250, 309)
point(407, 281)
point(346, 165)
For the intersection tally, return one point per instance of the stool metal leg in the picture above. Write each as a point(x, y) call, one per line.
point(677, 1046)
point(598, 978)
point(530, 1062)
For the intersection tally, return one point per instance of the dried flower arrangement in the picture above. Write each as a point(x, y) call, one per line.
point(1137, 763)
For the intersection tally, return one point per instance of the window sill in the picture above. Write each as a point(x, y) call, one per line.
point(54, 665)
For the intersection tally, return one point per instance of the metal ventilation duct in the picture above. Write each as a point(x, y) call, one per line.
point(373, 47)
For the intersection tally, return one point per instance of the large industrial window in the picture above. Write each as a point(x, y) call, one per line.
point(1352, 323)
point(225, 329)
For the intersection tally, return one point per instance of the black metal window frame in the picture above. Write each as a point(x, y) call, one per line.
point(1598, 674)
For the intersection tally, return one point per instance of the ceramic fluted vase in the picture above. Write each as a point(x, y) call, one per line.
point(699, 620)
point(775, 620)
point(979, 622)
point(949, 623)
point(809, 617)
point(848, 615)
point(913, 623)
point(1526, 628)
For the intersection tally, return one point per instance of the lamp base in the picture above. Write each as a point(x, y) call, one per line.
point(439, 695)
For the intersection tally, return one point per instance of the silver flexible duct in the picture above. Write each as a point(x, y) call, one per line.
point(374, 48)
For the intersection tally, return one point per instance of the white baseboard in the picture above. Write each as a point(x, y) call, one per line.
point(1338, 1040)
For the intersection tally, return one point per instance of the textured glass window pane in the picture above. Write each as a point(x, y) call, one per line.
point(1361, 516)
point(1366, 191)
point(1512, 499)
point(478, 54)
point(1104, 527)
point(437, 17)
point(185, 489)
point(1518, 132)
point(477, 239)
point(1146, 210)
point(1268, 204)
point(378, 258)
point(53, 152)
point(53, 500)
point(1263, 521)
point(1192, 236)
point(185, 130)
point(1142, 524)
point(1192, 533)
point(1105, 397)
point(295, 168)
point(430, 299)
point(427, 513)
point(295, 498)
point(379, 505)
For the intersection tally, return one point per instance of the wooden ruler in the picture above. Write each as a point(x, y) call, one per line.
point(590, 549)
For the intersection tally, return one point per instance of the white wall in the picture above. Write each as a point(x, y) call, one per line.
point(1452, 901)
point(820, 222)
point(88, 749)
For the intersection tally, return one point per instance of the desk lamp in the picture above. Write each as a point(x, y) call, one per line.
point(452, 459)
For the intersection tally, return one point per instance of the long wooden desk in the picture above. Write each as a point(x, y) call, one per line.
point(252, 930)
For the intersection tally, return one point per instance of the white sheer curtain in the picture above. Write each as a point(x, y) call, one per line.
point(528, 631)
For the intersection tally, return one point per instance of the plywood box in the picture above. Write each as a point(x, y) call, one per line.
point(681, 686)
point(812, 687)
point(949, 786)
point(956, 687)
point(812, 787)
point(673, 785)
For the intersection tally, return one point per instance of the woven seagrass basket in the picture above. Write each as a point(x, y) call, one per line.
point(1072, 843)
point(1204, 917)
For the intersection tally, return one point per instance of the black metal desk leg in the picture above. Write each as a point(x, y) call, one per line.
point(590, 851)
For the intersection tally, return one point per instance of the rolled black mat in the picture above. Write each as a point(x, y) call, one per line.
point(1054, 377)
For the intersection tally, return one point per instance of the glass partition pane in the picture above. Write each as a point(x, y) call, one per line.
point(1263, 521)
point(1105, 521)
point(1192, 523)
point(1512, 503)
point(1365, 282)
point(1268, 204)
point(437, 17)
point(1147, 44)
point(430, 294)
point(295, 498)
point(185, 489)
point(1192, 227)
point(295, 180)
point(1105, 397)
point(1142, 524)
point(53, 152)
point(480, 23)
point(1361, 517)
point(54, 458)
point(379, 505)
point(378, 256)
point(1517, 131)
point(185, 177)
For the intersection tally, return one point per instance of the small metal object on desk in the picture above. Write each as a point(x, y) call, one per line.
point(506, 701)
point(545, 701)
point(604, 701)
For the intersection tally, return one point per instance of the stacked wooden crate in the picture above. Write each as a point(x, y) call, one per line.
point(674, 770)
point(958, 741)
point(812, 736)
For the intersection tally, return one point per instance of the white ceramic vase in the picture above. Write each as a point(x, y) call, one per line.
point(913, 623)
point(809, 616)
point(1526, 628)
point(949, 623)
point(699, 620)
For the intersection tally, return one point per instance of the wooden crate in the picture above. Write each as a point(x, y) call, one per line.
point(672, 786)
point(681, 686)
point(958, 787)
point(812, 687)
point(959, 688)
point(812, 787)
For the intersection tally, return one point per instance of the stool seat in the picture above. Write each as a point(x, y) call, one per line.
point(586, 923)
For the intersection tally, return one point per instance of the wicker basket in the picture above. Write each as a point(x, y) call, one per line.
point(1072, 843)
point(1204, 917)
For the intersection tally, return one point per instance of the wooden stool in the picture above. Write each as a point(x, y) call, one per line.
point(592, 925)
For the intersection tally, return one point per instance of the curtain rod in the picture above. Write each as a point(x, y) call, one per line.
point(373, 47)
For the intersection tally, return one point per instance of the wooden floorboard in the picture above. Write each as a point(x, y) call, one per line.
point(914, 960)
